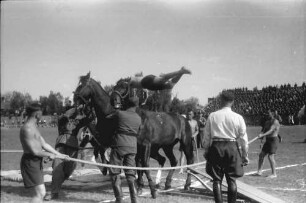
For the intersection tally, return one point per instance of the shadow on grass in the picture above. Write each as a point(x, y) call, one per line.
point(301, 142)
point(18, 190)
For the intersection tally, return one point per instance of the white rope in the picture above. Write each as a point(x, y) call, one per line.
point(116, 166)
point(11, 151)
point(133, 168)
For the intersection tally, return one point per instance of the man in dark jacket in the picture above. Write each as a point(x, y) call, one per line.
point(66, 143)
point(124, 148)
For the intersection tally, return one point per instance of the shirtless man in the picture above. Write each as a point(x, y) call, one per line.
point(162, 82)
point(33, 145)
point(270, 131)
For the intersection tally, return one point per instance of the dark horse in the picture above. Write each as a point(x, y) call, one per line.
point(159, 130)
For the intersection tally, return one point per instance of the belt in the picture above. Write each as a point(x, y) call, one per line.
point(223, 140)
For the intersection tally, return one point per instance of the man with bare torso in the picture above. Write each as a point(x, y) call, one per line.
point(34, 149)
point(270, 131)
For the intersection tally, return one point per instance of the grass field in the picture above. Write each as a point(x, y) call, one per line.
point(288, 186)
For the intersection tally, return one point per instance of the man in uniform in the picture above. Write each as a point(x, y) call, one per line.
point(66, 143)
point(124, 148)
point(224, 135)
point(34, 149)
point(270, 131)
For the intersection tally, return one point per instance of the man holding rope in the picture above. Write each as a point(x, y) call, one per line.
point(124, 148)
point(224, 134)
point(34, 149)
point(270, 131)
point(66, 143)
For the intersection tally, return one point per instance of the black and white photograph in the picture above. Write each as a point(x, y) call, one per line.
point(148, 101)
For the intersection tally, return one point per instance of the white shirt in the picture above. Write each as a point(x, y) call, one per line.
point(225, 124)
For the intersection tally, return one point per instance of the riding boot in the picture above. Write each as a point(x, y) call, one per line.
point(217, 191)
point(232, 191)
point(131, 183)
point(116, 183)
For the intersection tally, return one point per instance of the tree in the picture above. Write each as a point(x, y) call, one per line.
point(43, 100)
point(19, 101)
point(55, 103)
point(192, 103)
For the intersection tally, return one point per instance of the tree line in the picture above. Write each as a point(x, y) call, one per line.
point(15, 102)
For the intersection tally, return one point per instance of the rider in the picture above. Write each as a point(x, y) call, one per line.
point(161, 82)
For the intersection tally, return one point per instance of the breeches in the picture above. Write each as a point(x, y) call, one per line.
point(224, 159)
point(62, 169)
point(122, 157)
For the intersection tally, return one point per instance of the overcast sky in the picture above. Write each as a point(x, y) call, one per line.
point(47, 45)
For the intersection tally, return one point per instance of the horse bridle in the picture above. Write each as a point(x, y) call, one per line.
point(122, 97)
point(87, 103)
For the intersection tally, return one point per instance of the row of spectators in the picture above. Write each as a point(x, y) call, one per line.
point(252, 104)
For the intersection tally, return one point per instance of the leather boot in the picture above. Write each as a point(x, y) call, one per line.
point(231, 191)
point(116, 183)
point(217, 191)
point(132, 188)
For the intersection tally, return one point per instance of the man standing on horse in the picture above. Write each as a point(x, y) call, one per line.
point(124, 148)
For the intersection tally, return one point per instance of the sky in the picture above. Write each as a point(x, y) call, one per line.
point(47, 45)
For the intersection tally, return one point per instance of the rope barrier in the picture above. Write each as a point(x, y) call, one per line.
point(133, 168)
point(116, 166)
point(11, 151)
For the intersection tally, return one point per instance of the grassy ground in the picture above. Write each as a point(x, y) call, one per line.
point(288, 186)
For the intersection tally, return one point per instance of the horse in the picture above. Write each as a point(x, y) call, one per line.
point(159, 130)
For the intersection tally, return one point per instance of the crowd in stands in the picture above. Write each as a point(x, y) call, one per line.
point(252, 104)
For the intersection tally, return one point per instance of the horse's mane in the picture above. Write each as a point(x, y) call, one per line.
point(85, 78)
point(123, 81)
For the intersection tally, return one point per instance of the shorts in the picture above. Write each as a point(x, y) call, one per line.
point(31, 170)
point(223, 158)
point(148, 83)
point(270, 145)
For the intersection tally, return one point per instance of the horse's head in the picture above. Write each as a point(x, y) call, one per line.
point(83, 92)
point(120, 92)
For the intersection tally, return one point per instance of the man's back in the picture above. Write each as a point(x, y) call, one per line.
point(226, 124)
point(128, 126)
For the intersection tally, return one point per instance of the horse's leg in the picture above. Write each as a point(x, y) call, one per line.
point(104, 161)
point(140, 182)
point(146, 163)
point(161, 160)
point(173, 162)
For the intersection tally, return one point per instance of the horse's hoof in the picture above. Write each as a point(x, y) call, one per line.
point(157, 186)
point(167, 187)
point(139, 191)
point(187, 188)
point(104, 171)
point(153, 193)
